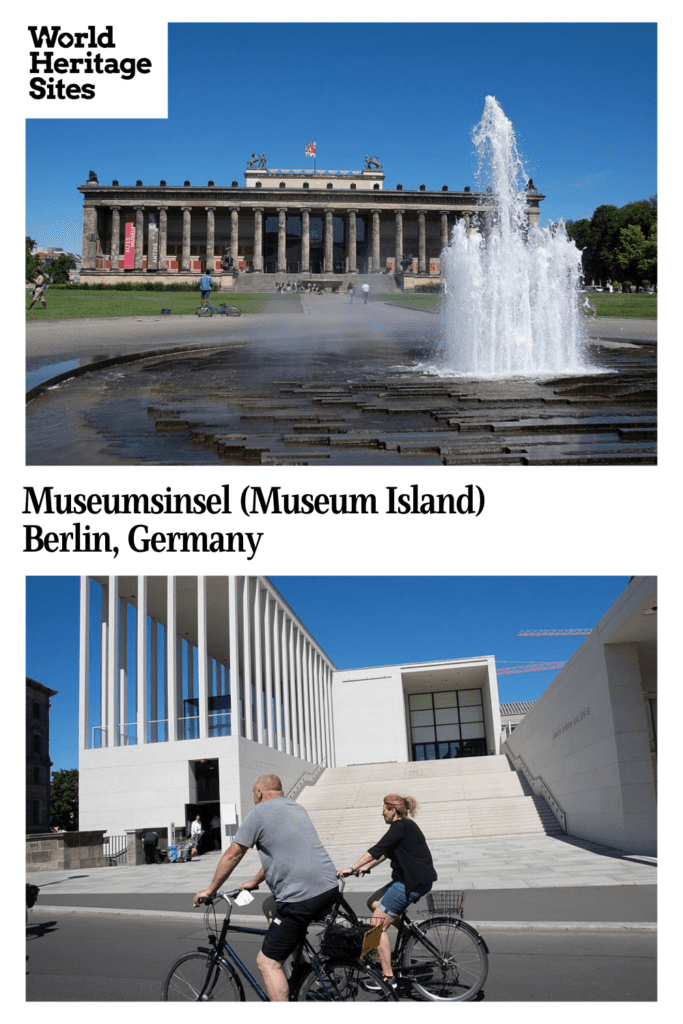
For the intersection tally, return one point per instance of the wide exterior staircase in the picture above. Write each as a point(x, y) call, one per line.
point(380, 284)
point(468, 798)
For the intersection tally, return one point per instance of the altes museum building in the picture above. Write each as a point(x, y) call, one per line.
point(282, 222)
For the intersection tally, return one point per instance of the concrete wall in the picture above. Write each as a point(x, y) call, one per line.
point(369, 716)
point(58, 851)
point(122, 788)
point(588, 736)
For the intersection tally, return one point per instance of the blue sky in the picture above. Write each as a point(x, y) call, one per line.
point(582, 99)
point(359, 622)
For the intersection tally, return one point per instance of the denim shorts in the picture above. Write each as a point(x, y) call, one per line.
point(394, 899)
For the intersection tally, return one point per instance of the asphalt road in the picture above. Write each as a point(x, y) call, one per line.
point(79, 958)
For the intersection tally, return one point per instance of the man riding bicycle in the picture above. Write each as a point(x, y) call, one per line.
point(295, 866)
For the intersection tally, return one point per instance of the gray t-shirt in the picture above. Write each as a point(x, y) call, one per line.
point(296, 864)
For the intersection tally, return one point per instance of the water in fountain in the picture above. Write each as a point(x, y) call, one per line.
point(510, 306)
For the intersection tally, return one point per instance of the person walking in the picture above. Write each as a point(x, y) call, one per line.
point(412, 869)
point(150, 845)
point(296, 868)
point(365, 288)
point(205, 286)
point(351, 291)
point(196, 833)
point(39, 285)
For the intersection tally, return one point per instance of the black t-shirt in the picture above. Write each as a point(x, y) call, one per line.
point(406, 848)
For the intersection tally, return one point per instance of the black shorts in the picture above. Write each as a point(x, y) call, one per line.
point(291, 922)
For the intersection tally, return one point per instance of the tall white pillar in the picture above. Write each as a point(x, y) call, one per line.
point(234, 657)
point(141, 637)
point(153, 682)
point(299, 748)
point(84, 665)
point(202, 658)
point(271, 712)
point(171, 653)
point(286, 682)
point(122, 734)
point(246, 661)
point(258, 626)
point(112, 661)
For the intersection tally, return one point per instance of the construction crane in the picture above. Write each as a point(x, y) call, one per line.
point(534, 666)
point(555, 632)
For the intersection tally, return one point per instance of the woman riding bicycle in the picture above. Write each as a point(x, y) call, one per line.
point(412, 874)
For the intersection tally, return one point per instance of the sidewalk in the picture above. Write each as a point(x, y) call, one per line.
point(535, 884)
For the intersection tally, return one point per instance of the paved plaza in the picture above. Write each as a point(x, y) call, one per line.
point(539, 883)
point(322, 381)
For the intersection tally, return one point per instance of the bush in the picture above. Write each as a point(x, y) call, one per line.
point(134, 286)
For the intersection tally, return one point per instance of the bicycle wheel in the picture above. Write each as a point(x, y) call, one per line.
point(196, 979)
point(204, 311)
point(233, 311)
point(455, 967)
point(337, 982)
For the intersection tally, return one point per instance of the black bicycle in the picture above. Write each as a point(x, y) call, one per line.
point(441, 958)
point(222, 310)
point(336, 972)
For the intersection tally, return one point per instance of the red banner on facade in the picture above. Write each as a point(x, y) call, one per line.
point(129, 247)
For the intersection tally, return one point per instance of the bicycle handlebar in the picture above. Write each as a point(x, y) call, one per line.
point(224, 895)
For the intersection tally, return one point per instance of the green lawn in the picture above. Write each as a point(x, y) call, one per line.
point(65, 304)
point(416, 301)
point(644, 306)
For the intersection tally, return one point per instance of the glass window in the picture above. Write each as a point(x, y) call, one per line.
point(469, 697)
point(473, 714)
point(448, 732)
point(422, 717)
point(420, 700)
point(447, 699)
point(445, 716)
point(474, 731)
point(424, 735)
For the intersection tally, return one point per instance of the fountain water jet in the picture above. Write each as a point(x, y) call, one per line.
point(510, 303)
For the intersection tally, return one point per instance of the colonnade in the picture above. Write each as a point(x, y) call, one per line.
point(168, 659)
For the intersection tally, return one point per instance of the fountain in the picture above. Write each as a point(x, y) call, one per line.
point(511, 290)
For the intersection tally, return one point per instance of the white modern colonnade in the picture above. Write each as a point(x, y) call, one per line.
point(228, 650)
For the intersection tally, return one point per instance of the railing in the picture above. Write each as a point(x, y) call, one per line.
point(538, 785)
point(307, 779)
point(116, 849)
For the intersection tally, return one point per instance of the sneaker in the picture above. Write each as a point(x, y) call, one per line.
point(372, 985)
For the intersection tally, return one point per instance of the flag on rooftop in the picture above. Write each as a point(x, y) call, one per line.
point(310, 149)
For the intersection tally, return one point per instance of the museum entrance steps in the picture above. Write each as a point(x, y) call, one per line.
point(468, 798)
point(264, 284)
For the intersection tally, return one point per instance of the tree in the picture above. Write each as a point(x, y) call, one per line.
point(32, 262)
point(64, 800)
point(59, 268)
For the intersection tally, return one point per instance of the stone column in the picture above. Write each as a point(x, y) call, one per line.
point(444, 230)
point(89, 237)
point(329, 241)
point(421, 243)
point(234, 235)
point(187, 234)
point(141, 633)
point(351, 243)
point(258, 238)
point(398, 242)
point(84, 665)
point(234, 672)
point(115, 237)
point(139, 235)
point(163, 236)
point(468, 225)
point(375, 242)
point(305, 240)
point(282, 241)
point(210, 237)
point(202, 658)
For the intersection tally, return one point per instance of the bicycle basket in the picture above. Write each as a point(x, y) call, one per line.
point(449, 901)
point(350, 942)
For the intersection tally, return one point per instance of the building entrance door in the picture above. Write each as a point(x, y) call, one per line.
point(447, 723)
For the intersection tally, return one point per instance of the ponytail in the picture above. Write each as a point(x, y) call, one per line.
point(403, 805)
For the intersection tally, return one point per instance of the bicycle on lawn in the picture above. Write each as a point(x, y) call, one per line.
point(222, 310)
point(336, 972)
point(441, 958)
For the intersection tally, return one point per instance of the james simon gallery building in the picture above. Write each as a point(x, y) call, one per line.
point(294, 222)
point(192, 686)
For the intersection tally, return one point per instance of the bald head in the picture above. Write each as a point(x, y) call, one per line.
point(267, 787)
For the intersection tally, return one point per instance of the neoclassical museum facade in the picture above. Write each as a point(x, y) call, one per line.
point(284, 222)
